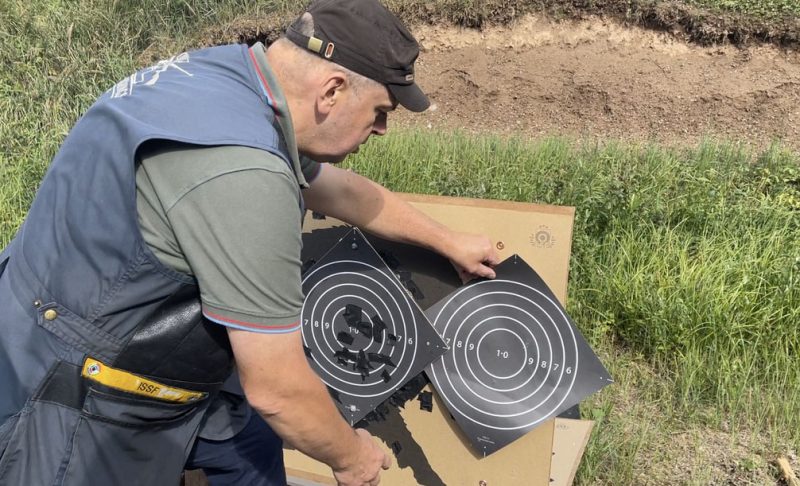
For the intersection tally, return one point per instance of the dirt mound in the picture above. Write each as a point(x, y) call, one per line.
point(687, 22)
point(701, 25)
point(598, 79)
point(593, 78)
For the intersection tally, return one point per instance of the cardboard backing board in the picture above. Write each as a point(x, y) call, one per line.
point(569, 441)
point(434, 450)
point(439, 454)
point(540, 234)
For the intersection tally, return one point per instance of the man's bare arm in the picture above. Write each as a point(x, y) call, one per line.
point(359, 201)
point(281, 386)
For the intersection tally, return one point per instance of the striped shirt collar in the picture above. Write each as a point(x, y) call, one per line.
point(273, 96)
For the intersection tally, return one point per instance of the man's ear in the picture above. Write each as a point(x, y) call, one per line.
point(331, 92)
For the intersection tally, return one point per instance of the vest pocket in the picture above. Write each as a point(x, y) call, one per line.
point(127, 439)
point(128, 410)
point(113, 438)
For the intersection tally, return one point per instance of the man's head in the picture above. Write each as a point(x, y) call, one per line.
point(365, 37)
point(344, 64)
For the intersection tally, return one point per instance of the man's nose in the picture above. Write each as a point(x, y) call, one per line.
point(379, 127)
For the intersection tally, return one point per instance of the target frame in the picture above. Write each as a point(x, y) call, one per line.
point(491, 323)
point(346, 293)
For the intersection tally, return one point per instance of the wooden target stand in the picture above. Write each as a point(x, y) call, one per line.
point(548, 455)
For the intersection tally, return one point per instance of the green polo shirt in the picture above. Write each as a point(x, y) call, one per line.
point(231, 216)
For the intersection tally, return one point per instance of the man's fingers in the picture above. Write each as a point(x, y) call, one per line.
point(486, 271)
point(479, 271)
point(387, 461)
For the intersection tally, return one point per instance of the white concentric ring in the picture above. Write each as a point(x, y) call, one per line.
point(498, 402)
point(556, 321)
point(406, 320)
point(472, 372)
point(478, 352)
point(320, 299)
point(325, 334)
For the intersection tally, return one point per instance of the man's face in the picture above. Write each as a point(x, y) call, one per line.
point(358, 115)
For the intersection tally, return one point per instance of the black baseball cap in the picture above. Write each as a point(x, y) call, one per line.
point(365, 37)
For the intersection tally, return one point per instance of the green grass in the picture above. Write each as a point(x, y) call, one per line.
point(686, 261)
point(691, 256)
point(685, 264)
point(758, 8)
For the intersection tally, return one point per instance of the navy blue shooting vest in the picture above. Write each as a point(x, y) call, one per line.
point(78, 282)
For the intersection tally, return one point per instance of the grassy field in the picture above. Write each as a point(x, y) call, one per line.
point(758, 8)
point(686, 260)
point(684, 275)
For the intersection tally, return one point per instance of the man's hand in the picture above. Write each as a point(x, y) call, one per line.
point(367, 464)
point(472, 256)
point(283, 388)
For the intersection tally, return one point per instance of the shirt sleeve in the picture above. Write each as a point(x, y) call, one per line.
point(240, 232)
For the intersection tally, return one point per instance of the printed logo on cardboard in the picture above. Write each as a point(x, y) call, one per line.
point(542, 237)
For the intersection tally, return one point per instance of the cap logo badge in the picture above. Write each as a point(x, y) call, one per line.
point(329, 50)
point(409, 77)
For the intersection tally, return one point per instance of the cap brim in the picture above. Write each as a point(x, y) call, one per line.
point(410, 96)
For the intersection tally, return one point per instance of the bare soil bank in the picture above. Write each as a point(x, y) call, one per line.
point(593, 77)
point(597, 79)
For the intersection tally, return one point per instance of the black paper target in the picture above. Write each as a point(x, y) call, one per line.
point(515, 359)
point(364, 335)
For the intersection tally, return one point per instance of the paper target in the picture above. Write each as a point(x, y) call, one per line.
point(515, 359)
point(364, 335)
